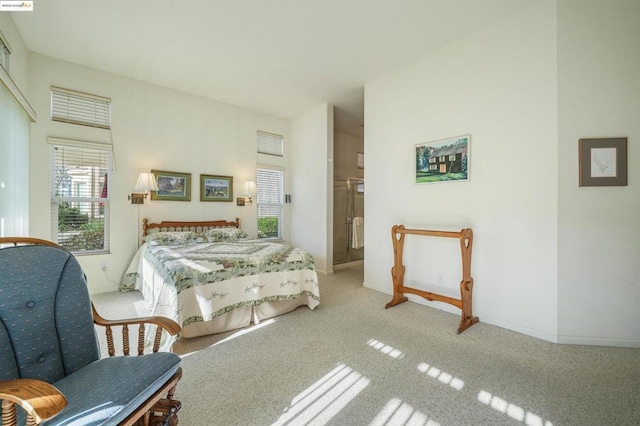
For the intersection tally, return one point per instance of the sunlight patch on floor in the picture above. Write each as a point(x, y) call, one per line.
point(320, 402)
point(385, 349)
point(441, 376)
point(237, 334)
point(396, 412)
point(511, 410)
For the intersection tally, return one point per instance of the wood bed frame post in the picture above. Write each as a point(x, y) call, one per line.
point(466, 284)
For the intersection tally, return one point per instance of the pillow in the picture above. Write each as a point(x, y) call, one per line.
point(225, 234)
point(172, 238)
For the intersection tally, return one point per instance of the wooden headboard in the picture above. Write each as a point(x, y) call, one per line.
point(170, 226)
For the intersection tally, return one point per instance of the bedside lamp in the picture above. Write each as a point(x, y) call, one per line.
point(146, 182)
point(249, 190)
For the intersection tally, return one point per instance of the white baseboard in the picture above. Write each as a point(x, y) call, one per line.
point(103, 289)
point(487, 320)
point(597, 341)
point(346, 265)
point(532, 332)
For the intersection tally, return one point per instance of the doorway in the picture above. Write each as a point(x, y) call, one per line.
point(348, 220)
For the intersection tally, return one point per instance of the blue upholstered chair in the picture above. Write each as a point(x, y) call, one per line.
point(50, 363)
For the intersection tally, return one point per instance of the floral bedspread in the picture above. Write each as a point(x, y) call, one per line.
point(199, 282)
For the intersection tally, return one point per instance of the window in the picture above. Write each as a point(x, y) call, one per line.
point(69, 106)
point(80, 197)
point(270, 144)
point(4, 54)
point(269, 183)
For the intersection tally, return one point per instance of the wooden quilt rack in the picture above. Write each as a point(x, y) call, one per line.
point(465, 236)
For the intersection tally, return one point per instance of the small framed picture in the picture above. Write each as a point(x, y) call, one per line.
point(172, 186)
point(444, 160)
point(603, 162)
point(216, 188)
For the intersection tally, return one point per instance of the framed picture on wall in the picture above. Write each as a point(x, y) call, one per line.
point(216, 188)
point(603, 162)
point(173, 186)
point(444, 160)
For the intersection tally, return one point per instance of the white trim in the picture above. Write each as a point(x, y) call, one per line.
point(5, 42)
point(599, 341)
point(105, 146)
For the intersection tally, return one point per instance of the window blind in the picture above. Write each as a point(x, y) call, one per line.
point(73, 107)
point(80, 198)
point(271, 144)
point(269, 200)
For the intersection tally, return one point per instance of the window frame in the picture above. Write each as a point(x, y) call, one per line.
point(279, 204)
point(96, 200)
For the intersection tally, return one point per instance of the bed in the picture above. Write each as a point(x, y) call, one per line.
point(211, 278)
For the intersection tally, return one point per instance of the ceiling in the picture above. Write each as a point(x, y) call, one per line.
point(280, 57)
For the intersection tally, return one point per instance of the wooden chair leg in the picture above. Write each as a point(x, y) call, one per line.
point(9, 414)
point(171, 392)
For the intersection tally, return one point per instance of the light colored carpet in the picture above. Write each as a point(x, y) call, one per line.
point(352, 362)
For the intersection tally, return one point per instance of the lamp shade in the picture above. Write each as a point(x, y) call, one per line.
point(249, 187)
point(146, 182)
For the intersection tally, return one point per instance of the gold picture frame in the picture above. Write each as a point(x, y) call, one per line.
point(216, 188)
point(173, 186)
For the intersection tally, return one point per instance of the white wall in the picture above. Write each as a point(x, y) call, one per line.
point(153, 128)
point(599, 244)
point(312, 176)
point(500, 86)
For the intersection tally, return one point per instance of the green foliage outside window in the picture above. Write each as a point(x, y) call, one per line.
point(76, 232)
point(70, 217)
point(268, 227)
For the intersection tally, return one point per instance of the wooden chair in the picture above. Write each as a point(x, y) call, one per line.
point(50, 363)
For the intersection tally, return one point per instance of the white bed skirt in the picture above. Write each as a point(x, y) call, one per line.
point(195, 311)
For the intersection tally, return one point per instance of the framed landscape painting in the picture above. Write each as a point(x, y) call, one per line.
point(172, 186)
point(444, 160)
point(216, 188)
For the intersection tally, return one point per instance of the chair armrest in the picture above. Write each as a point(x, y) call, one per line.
point(39, 399)
point(161, 323)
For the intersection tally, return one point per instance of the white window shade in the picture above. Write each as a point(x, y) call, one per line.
point(14, 166)
point(271, 144)
point(73, 107)
point(269, 200)
point(80, 198)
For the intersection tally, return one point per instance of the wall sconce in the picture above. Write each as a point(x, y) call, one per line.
point(146, 182)
point(249, 190)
